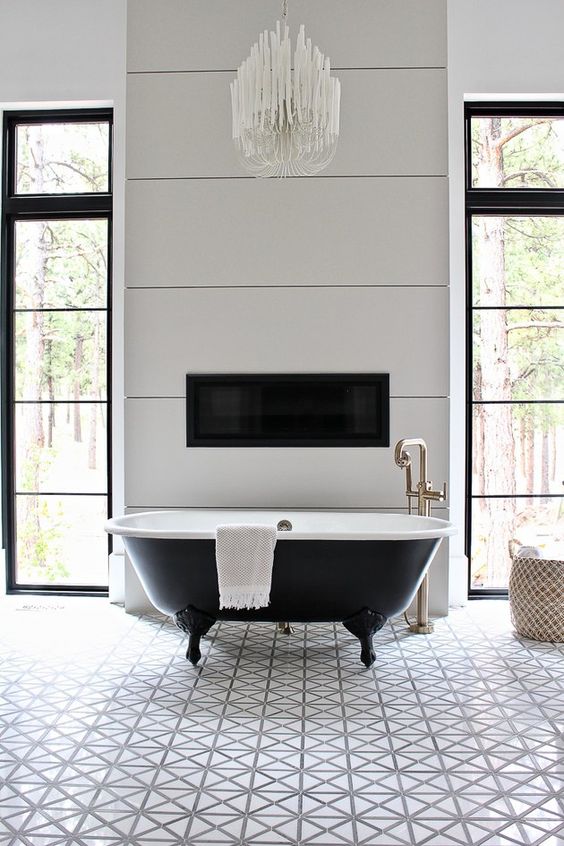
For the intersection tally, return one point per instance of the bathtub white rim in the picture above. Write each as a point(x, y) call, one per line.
point(441, 528)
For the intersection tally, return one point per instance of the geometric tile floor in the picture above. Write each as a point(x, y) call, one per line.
point(108, 736)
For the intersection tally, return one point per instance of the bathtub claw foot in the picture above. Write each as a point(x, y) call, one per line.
point(196, 624)
point(363, 625)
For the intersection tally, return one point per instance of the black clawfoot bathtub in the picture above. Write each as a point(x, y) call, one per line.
point(358, 568)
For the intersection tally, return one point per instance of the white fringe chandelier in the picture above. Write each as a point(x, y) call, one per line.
point(285, 121)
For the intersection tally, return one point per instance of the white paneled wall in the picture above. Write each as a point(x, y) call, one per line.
point(281, 329)
point(200, 35)
point(408, 146)
point(322, 231)
point(345, 272)
point(163, 472)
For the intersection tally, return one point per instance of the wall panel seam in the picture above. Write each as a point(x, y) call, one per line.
point(292, 178)
point(321, 508)
point(298, 286)
point(182, 397)
point(336, 69)
point(396, 508)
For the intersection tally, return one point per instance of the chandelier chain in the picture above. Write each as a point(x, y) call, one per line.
point(284, 10)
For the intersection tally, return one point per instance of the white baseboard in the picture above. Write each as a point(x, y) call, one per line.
point(458, 581)
point(116, 578)
point(3, 573)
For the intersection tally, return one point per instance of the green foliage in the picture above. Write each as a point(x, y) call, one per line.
point(73, 276)
point(33, 466)
point(533, 258)
point(531, 158)
point(39, 544)
point(63, 158)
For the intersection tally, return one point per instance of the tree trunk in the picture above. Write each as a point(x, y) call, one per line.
point(92, 437)
point(95, 365)
point(523, 447)
point(78, 349)
point(50, 393)
point(103, 416)
point(545, 464)
point(477, 424)
point(497, 460)
point(530, 480)
point(553, 451)
point(31, 555)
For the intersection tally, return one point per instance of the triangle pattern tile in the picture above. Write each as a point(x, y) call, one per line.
point(452, 739)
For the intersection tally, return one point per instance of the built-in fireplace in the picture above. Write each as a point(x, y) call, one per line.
point(288, 410)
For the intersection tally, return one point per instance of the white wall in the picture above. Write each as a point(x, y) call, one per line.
point(506, 48)
point(345, 271)
point(62, 50)
point(69, 53)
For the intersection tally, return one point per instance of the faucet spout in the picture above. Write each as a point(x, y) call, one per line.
point(423, 492)
point(403, 458)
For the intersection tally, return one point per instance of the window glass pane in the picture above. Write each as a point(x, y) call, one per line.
point(60, 355)
point(517, 152)
point(61, 263)
point(61, 540)
point(62, 158)
point(61, 447)
point(501, 526)
point(517, 261)
point(518, 448)
point(530, 345)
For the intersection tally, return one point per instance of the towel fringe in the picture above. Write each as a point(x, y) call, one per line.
point(238, 599)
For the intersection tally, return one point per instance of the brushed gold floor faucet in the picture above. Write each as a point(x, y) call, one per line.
point(425, 496)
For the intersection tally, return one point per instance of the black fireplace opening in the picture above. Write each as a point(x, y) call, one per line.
point(254, 410)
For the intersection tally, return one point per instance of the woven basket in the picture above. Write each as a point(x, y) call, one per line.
point(536, 598)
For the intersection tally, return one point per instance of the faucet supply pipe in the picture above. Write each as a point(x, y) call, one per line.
point(425, 496)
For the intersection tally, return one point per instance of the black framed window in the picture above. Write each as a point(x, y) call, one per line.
point(56, 339)
point(515, 337)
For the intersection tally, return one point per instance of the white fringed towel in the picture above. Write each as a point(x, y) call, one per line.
point(244, 555)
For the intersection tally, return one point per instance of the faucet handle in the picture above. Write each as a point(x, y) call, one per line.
point(436, 496)
point(439, 496)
